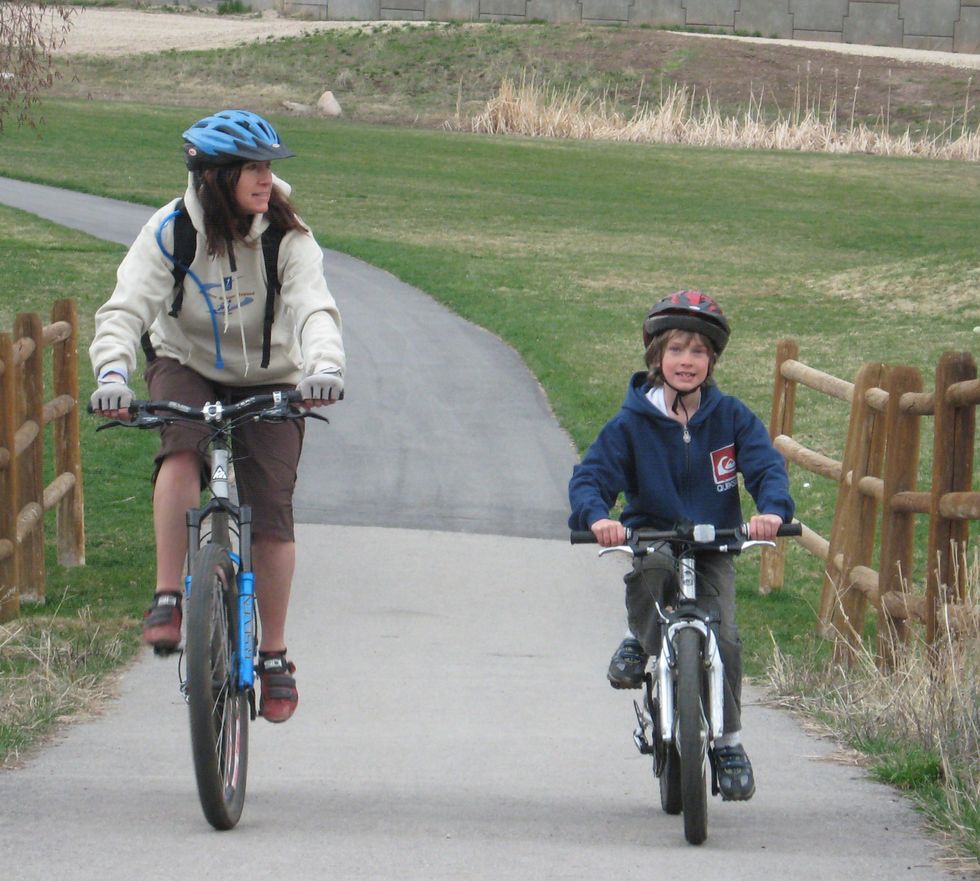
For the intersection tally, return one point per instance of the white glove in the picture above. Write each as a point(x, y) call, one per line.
point(111, 395)
point(326, 385)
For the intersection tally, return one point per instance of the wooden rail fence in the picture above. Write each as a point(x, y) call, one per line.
point(879, 471)
point(24, 413)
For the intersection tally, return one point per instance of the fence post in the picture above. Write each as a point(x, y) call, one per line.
point(952, 472)
point(853, 537)
point(773, 561)
point(67, 448)
point(29, 410)
point(902, 435)
point(9, 552)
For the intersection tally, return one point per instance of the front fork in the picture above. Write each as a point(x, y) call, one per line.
point(246, 644)
point(658, 710)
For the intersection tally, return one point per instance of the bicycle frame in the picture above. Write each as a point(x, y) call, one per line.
point(220, 509)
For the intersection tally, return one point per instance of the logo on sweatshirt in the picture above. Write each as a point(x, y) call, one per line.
point(228, 302)
point(724, 468)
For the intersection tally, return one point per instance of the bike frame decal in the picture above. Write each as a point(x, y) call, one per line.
point(246, 629)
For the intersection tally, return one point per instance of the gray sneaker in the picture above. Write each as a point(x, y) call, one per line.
point(627, 665)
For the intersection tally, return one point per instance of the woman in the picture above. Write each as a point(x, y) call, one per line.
point(210, 339)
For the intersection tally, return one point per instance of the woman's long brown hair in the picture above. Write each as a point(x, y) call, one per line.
point(224, 222)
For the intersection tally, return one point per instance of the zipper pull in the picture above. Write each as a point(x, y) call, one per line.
point(687, 435)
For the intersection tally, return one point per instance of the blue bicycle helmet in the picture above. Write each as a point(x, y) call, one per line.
point(232, 136)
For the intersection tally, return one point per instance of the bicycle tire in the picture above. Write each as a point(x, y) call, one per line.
point(692, 734)
point(219, 710)
point(667, 762)
point(670, 781)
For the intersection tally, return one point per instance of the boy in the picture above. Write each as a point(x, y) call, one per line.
point(674, 450)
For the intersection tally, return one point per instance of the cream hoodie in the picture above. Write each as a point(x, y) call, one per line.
point(306, 332)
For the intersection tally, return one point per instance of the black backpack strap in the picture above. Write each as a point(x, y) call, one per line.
point(271, 239)
point(148, 351)
point(185, 248)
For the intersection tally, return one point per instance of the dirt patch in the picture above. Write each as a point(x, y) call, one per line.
point(122, 32)
point(125, 32)
point(915, 86)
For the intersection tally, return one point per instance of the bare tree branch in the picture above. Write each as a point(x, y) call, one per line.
point(30, 32)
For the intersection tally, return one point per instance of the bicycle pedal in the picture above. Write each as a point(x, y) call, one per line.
point(640, 741)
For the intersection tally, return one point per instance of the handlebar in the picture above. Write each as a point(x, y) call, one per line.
point(269, 407)
point(699, 534)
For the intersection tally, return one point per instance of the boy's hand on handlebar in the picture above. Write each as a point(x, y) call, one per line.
point(609, 533)
point(112, 398)
point(762, 527)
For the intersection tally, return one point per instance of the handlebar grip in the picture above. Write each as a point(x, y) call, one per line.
point(583, 537)
point(788, 529)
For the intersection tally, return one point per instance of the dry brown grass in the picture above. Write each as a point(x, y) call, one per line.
point(680, 116)
point(920, 723)
point(52, 669)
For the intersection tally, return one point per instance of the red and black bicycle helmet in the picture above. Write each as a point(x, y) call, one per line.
point(688, 310)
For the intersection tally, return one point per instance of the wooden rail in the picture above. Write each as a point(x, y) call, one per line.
point(24, 414)
point(876, 483)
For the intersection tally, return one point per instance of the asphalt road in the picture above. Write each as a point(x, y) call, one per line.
point(454, 720)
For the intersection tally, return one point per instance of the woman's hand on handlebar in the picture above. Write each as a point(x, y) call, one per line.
point(609, 533)
point(763, 527)
point(323, 388)
point(112, 397)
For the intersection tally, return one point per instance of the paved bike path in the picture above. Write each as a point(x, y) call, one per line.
point(454, 719)
point(443, 427)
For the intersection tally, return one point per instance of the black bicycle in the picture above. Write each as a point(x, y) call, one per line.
point(681, 714)
point(221, 638)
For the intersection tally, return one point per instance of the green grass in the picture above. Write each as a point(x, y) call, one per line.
point(558, 247)
point(54, 658)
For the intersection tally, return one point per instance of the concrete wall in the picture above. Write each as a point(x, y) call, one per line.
point(946, 25)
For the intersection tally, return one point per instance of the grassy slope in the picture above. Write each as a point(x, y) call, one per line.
point(422, 75)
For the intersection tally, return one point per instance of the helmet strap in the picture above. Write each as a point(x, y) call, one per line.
point(679, 397)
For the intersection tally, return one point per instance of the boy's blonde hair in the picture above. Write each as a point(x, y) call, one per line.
point(654, 354)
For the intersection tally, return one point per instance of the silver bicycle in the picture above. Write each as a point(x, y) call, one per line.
point(680, 714)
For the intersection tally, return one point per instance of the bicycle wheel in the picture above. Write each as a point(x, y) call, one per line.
point(219, 711)
point(692, 735)
point(670, 781)
point(667, 765)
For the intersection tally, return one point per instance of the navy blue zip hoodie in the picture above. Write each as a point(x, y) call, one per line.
point(667, 479)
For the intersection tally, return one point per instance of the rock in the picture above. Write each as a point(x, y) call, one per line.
point(294, 107)
point(328, 105)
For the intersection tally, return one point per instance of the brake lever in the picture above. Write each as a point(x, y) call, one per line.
point(758, 543)
point(623, 549)
point(309, 414)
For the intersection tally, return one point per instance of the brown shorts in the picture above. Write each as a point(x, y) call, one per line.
point(265, 454)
